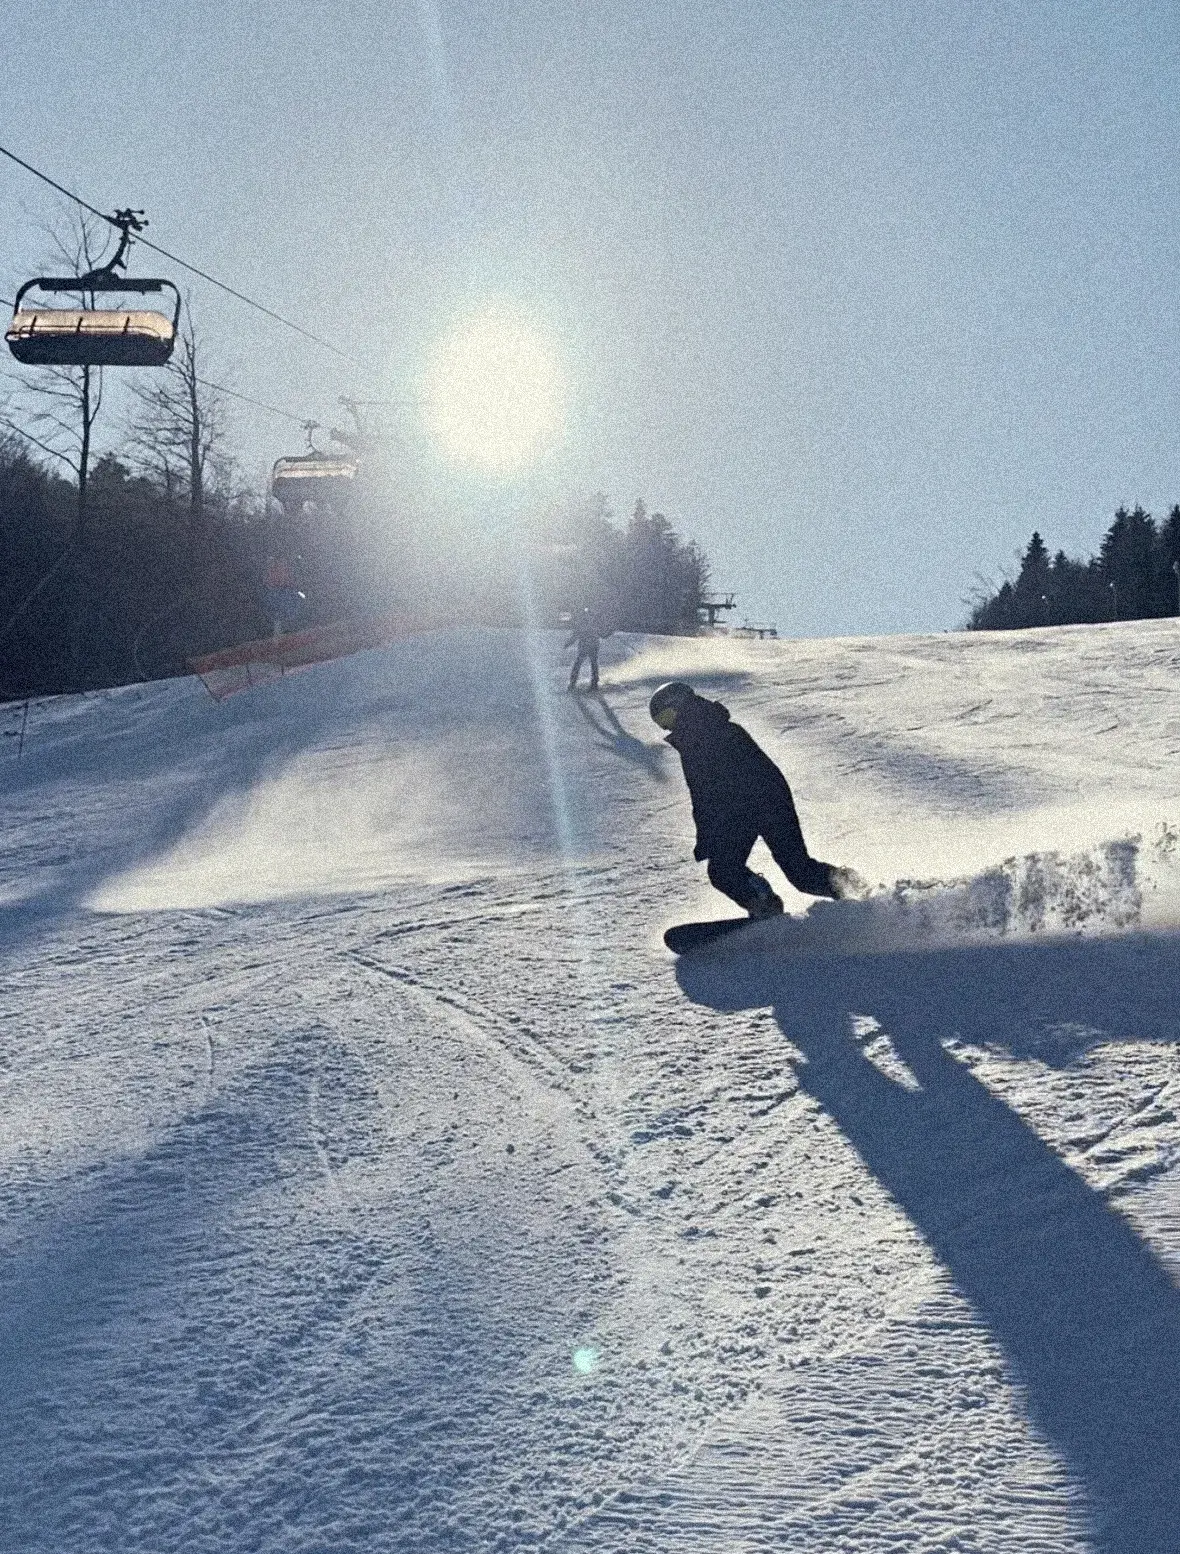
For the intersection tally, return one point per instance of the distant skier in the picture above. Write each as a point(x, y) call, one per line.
point(283, 597)
point(738, 795)
point(587, 634)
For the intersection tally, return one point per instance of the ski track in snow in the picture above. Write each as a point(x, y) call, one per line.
point(372, 1179)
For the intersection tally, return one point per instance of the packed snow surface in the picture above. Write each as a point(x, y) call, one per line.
point(372, 1178)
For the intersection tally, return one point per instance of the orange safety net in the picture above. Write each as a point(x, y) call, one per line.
point(257, 663)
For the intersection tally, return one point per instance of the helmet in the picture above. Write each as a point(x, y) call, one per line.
point(665, 705)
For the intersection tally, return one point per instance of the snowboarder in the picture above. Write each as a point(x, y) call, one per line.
point(587, 635)
point(738, 795)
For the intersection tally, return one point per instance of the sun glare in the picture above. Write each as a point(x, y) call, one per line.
point(495, 393)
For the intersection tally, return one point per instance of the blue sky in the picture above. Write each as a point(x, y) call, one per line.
point(859, 294)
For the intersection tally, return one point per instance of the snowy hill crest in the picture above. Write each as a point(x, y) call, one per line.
point(373, 1179)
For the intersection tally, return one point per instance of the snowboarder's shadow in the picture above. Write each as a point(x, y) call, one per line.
point(1087, 1315)
point(614, 737)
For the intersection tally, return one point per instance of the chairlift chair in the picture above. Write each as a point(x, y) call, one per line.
point(42, 336)
point(311, 477)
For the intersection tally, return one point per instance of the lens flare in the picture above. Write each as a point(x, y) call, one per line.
point(585, 1361)
point(495, 393)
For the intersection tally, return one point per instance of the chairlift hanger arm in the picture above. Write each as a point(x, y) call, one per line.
point(106, 277)
point(102, 277)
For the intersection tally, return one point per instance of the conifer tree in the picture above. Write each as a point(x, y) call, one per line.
point(1134, 576)
point(1168, 564)
point(1032, 586)
point(1126, 558)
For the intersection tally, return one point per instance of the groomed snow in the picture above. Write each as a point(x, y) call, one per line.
point(371, 1178)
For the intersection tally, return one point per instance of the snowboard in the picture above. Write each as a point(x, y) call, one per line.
point(682, 937)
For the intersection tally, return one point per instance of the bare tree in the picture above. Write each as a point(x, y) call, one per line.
point(178, 425)
point(65, 401)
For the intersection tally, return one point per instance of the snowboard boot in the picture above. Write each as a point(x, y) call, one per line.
point(762, 900)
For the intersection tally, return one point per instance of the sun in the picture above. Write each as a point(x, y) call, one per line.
point(495, 393)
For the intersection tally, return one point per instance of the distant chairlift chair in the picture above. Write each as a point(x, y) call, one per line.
point(318, 478)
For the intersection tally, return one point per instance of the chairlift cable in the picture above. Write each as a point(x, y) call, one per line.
point(53, 184)
point(184, 264)
point(249, 301)
point(260, 404)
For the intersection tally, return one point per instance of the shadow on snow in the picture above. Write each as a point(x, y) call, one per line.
point(1088, 1316)
point(603, 721)
point(163, 758)
point(208, 1308)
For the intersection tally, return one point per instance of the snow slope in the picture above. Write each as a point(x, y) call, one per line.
point(372, 1179)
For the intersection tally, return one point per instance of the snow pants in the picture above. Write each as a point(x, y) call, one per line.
point(779, 828)
point(589, 654)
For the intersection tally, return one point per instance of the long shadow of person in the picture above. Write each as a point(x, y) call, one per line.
point(614, 737)
point(1087, 1315)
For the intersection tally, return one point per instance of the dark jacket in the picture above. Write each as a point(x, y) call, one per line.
point(586, 639)
point(587, 631)
point(732, 781)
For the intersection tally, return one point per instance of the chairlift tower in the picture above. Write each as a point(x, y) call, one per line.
point(711, 606)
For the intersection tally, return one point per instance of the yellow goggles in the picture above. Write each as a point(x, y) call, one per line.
point(666, 717)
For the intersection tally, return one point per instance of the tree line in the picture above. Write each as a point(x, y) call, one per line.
point(1134, 576)
point(641, 575)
